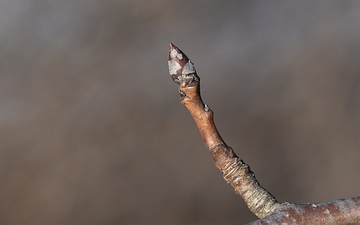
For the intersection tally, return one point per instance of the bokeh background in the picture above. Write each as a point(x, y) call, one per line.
point(92, 131)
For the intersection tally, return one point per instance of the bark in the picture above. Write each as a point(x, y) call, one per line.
point(238, 174)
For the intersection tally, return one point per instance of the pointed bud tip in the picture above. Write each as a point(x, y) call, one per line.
point(172, 46)
point(176, 54)
point(181, 69)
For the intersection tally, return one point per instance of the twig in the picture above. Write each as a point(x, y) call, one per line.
point(238, 174)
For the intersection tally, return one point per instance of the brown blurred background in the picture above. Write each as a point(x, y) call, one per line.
point(92, 131)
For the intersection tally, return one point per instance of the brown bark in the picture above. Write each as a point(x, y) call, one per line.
point(238, 174)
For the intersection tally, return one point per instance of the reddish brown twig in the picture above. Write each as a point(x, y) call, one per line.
point(238, 174)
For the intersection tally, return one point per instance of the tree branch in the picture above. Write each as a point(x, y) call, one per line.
point(237, 173)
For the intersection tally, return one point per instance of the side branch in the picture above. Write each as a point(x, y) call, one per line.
point(238, 174)
point(235, 171)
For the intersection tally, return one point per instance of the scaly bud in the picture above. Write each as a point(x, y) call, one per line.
point(181, 69)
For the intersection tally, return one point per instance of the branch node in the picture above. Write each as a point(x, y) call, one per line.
point(182, 95)
point(206, 108)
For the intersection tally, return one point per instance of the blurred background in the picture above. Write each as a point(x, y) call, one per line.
point(92, 131)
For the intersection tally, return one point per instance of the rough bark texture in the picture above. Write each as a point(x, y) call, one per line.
point(238, 174)
point(343, 211)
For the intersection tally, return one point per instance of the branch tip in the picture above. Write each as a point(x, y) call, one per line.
point(181, 69)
